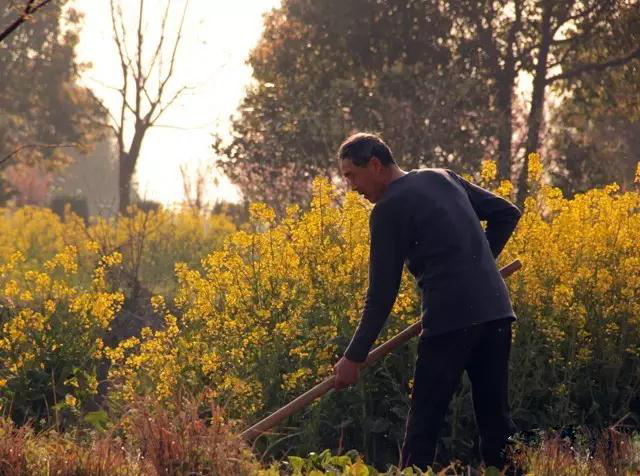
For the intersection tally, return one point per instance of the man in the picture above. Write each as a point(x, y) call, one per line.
point(430, 218)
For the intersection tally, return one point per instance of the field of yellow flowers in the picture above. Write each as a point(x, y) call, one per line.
point(250, 318)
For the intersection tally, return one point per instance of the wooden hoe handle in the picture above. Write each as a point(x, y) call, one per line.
point(328, 384)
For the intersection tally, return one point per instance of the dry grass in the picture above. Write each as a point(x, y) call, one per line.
point(13, 461)
point(190, 440)
point(149, 440)
point(61, 456)
point(614, 453)
point(195, 439)
point(23, 453)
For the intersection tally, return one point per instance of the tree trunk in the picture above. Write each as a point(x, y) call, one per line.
point(128, 162)
point(125, 174)
point(534, 121)
point(504, 106)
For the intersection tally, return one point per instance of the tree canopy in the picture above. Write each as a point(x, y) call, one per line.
point(43, 115)
point(595, 132)
point(436, 79)
point(324, 69)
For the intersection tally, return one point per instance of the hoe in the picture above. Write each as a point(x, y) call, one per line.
point(328, 384)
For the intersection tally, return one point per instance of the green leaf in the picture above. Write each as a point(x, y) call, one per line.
point(324, 456)
point(340, 461)
point(358, 469)
point(97, 419)
point(492, 471)
point(352, 454)
point(372, 471)
point(296, 463)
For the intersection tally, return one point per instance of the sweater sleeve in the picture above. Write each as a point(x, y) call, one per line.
point(387, 252)
point(500, 214)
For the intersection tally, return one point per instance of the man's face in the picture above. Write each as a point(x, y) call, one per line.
point(367, 180)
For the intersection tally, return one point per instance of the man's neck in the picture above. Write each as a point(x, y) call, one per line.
point(396, 173)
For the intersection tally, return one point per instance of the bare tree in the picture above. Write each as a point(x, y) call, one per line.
point(143, 94)
point(194, 186)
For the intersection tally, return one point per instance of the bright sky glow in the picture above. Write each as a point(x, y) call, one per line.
point(218, 36)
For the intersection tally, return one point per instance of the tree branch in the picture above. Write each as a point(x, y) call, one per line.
point(141, 104)
point(172, 61)
point(513, 30)
point(485, 38)
point(590, 29)
point(34, 146)
point(169, 103)
point(158, 50)
point(140, 76)
point(582, 14)
point(151, 117)
point(125, 65)
point(115, 89)
point(593, 67)
point(39, 6)
point(29, 9)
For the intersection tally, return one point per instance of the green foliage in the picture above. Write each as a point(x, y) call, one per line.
point(320, 73)
point(63, 285)
point(437, 82)
point(50, 108)
point(350, 463)
point(273, 309)
point(51, 336)
point(596, 128)
point(266, 315)
point(98, 419)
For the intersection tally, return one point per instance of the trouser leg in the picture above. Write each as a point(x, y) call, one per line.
point(488, 371)
point(439, 366)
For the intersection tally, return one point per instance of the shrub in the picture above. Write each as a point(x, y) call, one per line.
point(62, 283)
point(51, 336)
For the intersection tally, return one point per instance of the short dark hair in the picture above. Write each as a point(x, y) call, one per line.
point(360, 147)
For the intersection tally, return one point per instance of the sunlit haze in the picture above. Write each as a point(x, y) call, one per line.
point(217, 38)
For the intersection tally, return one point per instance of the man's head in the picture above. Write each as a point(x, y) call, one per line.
point(367, 164)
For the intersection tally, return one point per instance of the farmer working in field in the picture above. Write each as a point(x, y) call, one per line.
point(430, 218)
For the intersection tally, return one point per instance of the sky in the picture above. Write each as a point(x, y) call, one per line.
point(217, 37)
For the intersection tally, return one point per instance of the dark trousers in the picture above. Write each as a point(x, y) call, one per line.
point(483, 351)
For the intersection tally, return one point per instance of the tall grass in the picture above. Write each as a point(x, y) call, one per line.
point(195, 439)
point(149, 440)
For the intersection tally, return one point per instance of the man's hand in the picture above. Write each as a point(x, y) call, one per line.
point(346, 372)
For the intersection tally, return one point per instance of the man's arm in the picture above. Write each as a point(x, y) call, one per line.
point(501, 215)
point(388, 249)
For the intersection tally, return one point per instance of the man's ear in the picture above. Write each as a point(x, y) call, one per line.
point(376, 164)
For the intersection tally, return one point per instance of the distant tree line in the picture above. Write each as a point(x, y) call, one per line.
point(43, 111)
point(440, 81)
point(46, 116)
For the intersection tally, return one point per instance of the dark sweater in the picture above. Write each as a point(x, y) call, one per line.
point(430, 218)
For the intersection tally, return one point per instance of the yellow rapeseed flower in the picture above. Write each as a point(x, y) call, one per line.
point(488, 170)
point(535, 168)
point(505, 189)
point(49, 306)
point(261, 212)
